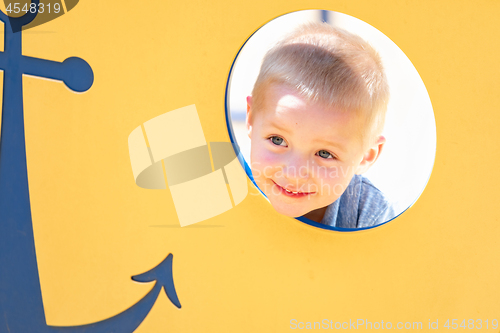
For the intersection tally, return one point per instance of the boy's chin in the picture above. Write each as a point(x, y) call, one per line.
point(294, 211)
point(290, 212)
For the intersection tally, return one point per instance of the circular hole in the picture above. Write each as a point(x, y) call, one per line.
point(403, 166)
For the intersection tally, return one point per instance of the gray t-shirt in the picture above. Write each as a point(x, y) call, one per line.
point(361, 205)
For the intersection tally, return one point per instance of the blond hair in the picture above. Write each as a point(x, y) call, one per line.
point(330, 66)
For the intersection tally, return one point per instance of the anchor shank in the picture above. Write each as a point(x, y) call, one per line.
point(20, 296)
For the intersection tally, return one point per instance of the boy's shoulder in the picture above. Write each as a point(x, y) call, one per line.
point(361, 205)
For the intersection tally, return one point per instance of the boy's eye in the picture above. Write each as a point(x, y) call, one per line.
point(278, 141)
point(324, 154)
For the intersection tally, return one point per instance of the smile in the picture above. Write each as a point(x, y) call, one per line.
point(290, 193)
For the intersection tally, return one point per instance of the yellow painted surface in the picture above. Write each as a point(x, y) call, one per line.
point(239, 188)
point(174, 132)
point(201, 198)
point(250, 269)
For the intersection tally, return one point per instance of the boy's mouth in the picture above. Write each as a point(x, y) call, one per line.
point(291, 192)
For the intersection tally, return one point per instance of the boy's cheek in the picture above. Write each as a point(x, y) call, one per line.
point(325, 173)
point(332, 187)
point(262, 166)
point(264, 159)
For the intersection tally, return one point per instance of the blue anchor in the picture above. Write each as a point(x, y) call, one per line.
point(21, 306)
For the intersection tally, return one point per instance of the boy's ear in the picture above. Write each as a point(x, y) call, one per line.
point(371, 155)
point(249, 120)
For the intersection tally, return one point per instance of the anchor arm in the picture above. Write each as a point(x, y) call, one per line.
point(124, 322)
point(75, 72)
point(131, 318)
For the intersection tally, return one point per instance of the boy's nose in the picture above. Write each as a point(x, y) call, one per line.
point(297, 169)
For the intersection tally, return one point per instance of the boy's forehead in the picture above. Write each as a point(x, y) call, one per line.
point(280, 98)
point(286, 103)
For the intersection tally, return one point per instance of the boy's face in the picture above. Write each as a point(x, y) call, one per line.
point(303, 154)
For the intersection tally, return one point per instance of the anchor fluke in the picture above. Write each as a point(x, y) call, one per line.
point(163, 275)
point(130, 319)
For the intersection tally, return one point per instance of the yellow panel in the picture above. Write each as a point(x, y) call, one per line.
point(201, 198)
point(237, 181)
point(251, 269)
point(138, 150)
point(187, 165)
point(174, 132)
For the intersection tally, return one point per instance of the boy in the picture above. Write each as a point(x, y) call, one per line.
point(315, 120)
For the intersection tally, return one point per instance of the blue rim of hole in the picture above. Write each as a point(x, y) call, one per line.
point(248, 171)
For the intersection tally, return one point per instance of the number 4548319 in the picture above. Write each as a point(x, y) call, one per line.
point(33, 8)
point(471, 324)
